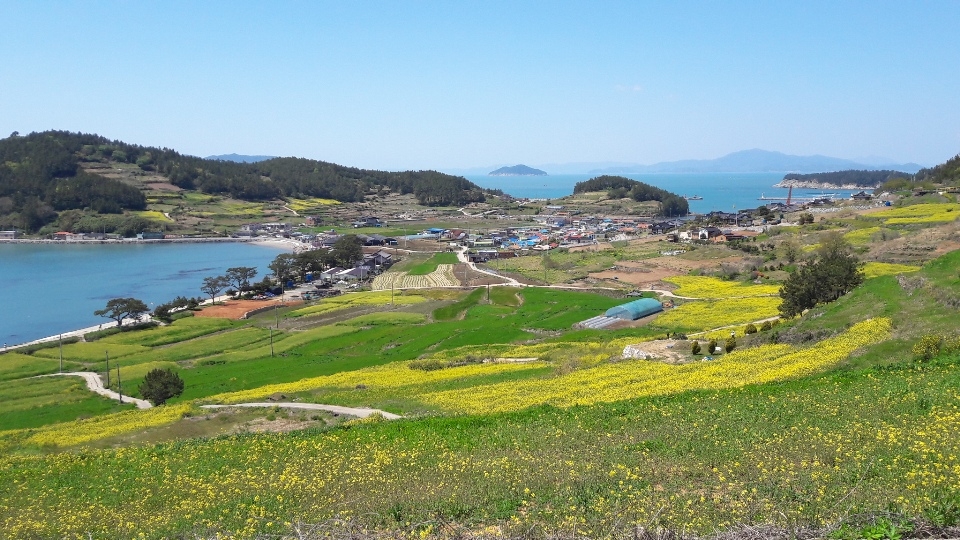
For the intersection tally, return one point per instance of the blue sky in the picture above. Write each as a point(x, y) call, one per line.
point(450, 84)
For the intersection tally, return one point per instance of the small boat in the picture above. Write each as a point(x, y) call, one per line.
point(693, 198)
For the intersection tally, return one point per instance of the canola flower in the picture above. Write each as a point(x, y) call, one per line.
point(377, 298)
point(628, 380)
point(396, 375)
point(707, 314)
point(300, 205)
point(877, 269)
point(861, 236)
point(789, 455)
point(919, 213)
point(91, 429)
point(714, 288)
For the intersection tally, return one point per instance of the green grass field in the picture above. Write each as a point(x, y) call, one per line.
point(516, 424)
point(431, 264)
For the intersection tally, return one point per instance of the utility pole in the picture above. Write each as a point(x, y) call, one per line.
point(276, 315)
point(119, 386)
point(61, 353)
point(271, 342)
point(108, 368)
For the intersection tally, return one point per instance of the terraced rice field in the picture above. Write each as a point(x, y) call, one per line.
point(443, 276)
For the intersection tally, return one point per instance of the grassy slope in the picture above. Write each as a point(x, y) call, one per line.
point(785, 453)
point(791, 453)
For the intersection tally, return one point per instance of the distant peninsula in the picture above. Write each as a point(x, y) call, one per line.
point(517, 170)
point(848, 179)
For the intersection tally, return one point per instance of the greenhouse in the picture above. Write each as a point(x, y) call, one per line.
point(632, 311)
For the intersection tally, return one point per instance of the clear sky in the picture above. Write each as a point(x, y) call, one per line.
point(446, 84)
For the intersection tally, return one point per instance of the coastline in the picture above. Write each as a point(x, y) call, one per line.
point(72, 285)
point(73, 333)
point(287, 244)
point(808, 184)
point(124, 241)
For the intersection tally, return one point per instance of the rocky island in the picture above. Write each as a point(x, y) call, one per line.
point(517, 170)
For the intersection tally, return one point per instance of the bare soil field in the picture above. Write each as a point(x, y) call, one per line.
point(651, 272)
point(236, 309)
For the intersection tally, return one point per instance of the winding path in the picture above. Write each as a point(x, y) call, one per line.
point(351, 411)
point(95, 384)
point(462, 257)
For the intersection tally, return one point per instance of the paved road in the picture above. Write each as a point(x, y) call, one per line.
point(95, 384)
point(351, 411)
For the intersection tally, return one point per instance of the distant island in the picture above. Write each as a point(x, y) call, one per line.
point(517, 170)
point(754, 161)
point(848, 179)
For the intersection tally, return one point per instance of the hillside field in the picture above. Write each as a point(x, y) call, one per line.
point(844, 421)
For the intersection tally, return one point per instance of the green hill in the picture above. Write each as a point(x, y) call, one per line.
point(44, 174)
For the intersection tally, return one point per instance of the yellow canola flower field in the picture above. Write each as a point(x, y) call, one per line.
point(300, 205)
point(862, 236)
point(707, 314)
point(628, 380)
point(91, 429)
point(151, 214)
point(919, 213)
point(391, 376)
point(711, 287)
point(877, 269)
point(379, 298)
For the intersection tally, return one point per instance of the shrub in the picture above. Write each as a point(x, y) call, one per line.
point(159, 385)
point(765, 326)
point(927, 347)
point(750, 329)
point(696, 347)
point(731, 344)
point(712, 346)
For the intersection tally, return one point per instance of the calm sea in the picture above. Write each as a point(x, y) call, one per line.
point(720, 191)
point(49, 289)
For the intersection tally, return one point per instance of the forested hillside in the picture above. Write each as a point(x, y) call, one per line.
point(945, 173)
point(620, 187)
point(41, 174)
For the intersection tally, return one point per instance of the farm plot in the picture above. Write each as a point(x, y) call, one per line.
point(441, 277)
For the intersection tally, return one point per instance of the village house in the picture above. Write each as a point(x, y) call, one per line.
point(8, 235)
point(367, 221)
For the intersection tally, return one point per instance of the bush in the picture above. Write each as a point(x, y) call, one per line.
point(765, 326)
point(696, 347)
point(712, 346)
point(731, 344)
point(750, 329)
point(160, 385)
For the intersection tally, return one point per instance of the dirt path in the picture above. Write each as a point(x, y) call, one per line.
point(95, 384)
point(351, 411)
point(462, 256)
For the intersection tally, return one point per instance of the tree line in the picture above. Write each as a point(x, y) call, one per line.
point(618, 187)
point(947, 173)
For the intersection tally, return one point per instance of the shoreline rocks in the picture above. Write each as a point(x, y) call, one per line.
point(808, 184)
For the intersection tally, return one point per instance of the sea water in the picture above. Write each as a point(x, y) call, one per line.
point(48, 289)
point(720, 191)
